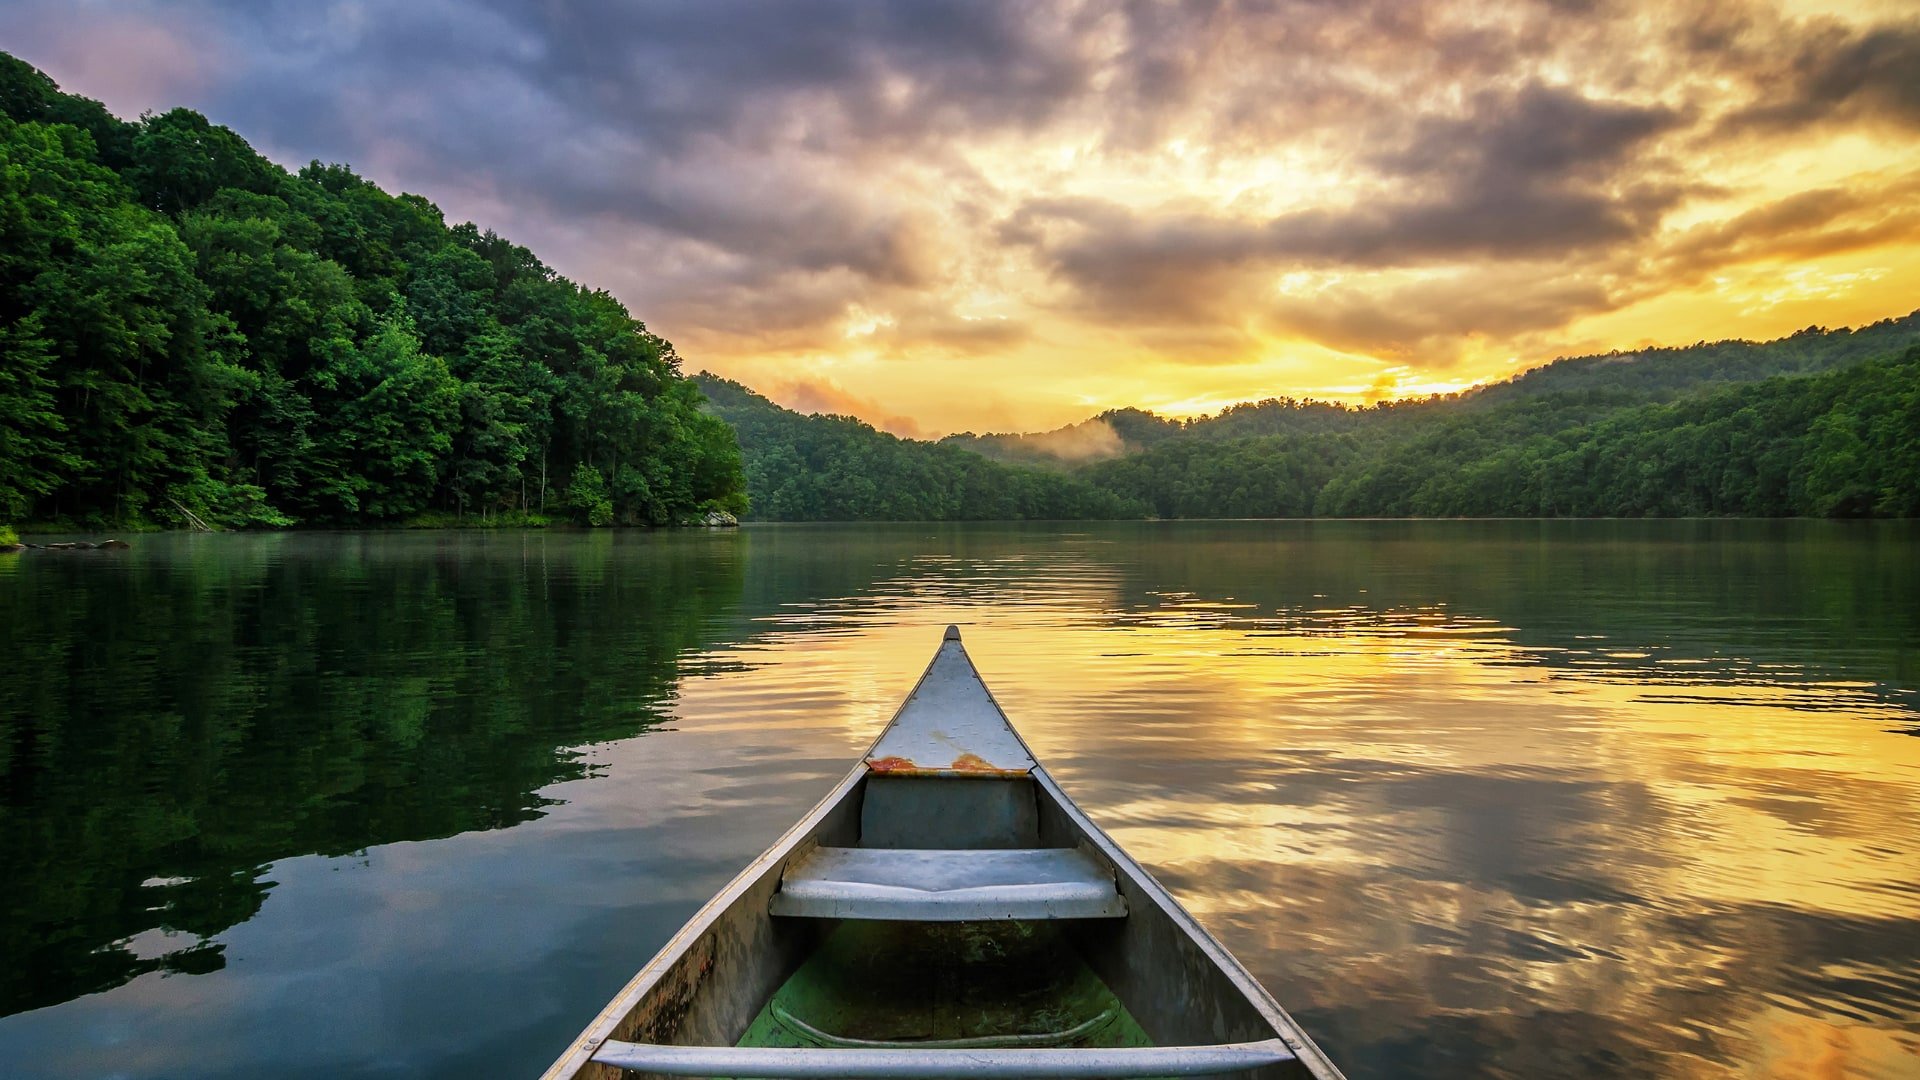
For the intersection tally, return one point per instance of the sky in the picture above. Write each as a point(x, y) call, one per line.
point(946, 215)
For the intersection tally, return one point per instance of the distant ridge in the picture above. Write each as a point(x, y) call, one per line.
point(1819, 423)
point(1633, 377)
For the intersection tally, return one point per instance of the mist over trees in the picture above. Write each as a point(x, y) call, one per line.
point(187, 328)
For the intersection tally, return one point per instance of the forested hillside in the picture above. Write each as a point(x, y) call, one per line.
point(837, 468)
point(185, 327)
point(1662, 374)
point(1845, 443)
point(1823, 423)
point(1589, 385)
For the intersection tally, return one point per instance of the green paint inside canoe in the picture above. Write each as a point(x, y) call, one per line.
point(933, 984)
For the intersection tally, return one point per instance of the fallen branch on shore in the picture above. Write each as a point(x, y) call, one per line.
point(192, 518)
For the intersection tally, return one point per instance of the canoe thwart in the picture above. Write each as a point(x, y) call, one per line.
point(806, 1063)
point(940, 885)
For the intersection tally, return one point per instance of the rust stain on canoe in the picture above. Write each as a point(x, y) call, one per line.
point(965, 764)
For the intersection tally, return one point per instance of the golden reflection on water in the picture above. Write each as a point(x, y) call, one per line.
point(1566, 860)
point(1569, 799)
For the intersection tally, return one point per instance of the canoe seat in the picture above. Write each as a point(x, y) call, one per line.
point(940, 885)
point(788, 1063)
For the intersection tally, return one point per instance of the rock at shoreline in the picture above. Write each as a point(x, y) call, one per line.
point(719, 519)
point(8, 549)
point(114, 545)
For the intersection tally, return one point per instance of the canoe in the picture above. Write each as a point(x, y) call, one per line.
point(945, 911)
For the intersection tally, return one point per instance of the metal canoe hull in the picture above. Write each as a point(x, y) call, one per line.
point(706, 985)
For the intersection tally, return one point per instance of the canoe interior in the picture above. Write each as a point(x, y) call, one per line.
point(945, 984)
point(740, 976)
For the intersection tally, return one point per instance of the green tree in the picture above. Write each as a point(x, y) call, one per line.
point(587, 496)
point(31, 429)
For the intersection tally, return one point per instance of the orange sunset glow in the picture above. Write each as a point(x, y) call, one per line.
point(1010, 218)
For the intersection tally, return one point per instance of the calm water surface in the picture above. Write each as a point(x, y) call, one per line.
point(1471, 799)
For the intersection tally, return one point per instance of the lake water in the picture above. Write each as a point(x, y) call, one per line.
point(1470, 798)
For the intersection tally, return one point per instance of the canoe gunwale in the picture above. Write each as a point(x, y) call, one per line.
point(1129, 869)
point(1146, 886)
point(798, 838)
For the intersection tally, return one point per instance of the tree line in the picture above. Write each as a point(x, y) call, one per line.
point(188, 330)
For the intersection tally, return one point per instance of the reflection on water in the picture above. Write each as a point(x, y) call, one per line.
point(1585, 799)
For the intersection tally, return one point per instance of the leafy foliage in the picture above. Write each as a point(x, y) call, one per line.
point(185, 326)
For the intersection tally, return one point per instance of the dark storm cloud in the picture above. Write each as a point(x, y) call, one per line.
point(1425, 320)
point(691, 71)
point(1846, 75)
point(1535, 172)
point(1539, 134)
point(699, 121)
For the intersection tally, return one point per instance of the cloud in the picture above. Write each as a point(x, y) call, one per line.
point(1870, 212)
point(1537, 172)
point(1840, 74)
point(1427, 318)
point(1048, 193)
